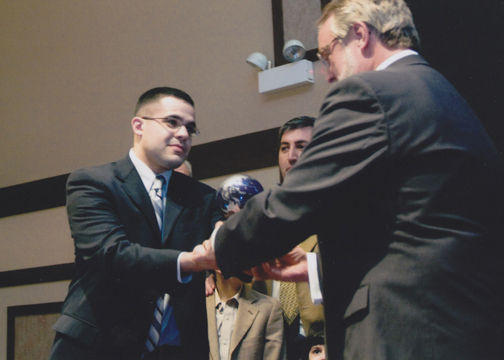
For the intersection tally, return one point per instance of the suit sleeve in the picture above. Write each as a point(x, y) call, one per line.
point(275, 346)
point(348, 146)
point(102, 245)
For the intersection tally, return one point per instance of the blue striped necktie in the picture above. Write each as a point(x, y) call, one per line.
point(163, 328)
point(156, 196)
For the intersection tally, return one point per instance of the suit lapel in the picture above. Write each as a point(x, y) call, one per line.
point(246, 315)
point(176, 197)
point(212, 328)
point(133, 186)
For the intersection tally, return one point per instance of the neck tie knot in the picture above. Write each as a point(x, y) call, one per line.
point(158, 185)
point(156, 195)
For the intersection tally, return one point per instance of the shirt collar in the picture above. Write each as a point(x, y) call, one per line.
point(146, 174)
point(395, 58)
point(218, 300)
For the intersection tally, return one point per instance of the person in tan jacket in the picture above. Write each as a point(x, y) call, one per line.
point(293, 136)
point(243, 324)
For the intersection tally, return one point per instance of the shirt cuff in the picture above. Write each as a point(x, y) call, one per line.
point(212, 238)
point(180, 279)
point(313, 279)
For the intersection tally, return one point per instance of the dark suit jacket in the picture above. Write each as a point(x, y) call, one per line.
point(403, 187)
point(121, 264)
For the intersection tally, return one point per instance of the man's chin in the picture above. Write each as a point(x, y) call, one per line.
point(174, 162)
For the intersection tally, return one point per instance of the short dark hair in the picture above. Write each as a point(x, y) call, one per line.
point(315, 337)
point(161, 92)
point(316, 329)
point(296, 123)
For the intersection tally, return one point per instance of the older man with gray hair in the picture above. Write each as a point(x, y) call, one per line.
point(404, 189)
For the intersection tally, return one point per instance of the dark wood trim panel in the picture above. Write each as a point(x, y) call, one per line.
point(218, 158)
point(278, 33)
point(33, 196)
point(36, 275)
point(234, 155)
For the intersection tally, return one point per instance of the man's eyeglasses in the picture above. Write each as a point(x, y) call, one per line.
point(324, 54)
point(175, 124)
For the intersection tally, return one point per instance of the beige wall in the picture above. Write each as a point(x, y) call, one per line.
point(71, 72)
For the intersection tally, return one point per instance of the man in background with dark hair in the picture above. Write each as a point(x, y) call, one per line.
point(134, 223)
point(297, 306)
point(313, 345)
point(293, 136)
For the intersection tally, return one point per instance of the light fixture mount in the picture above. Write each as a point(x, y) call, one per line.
point(297, 73)
point(259, 61)
point(294, 50)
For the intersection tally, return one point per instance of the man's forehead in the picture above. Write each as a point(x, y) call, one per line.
point(325, 34)
point(298, 134)
point(171, 101)
point(168, 105)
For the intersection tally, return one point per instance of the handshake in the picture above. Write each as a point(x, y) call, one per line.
point(233, 193)
point(290, 267)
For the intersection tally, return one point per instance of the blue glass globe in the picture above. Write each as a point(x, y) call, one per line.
point(235, 191)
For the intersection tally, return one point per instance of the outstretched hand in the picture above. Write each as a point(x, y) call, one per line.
point(209, 285)
point(200, 259)
point(293, 266)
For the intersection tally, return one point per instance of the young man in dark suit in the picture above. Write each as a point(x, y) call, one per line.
point(403, 187)
point(132, 245)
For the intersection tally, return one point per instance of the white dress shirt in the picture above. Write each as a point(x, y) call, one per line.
point(148, 176)
point(225, 317)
